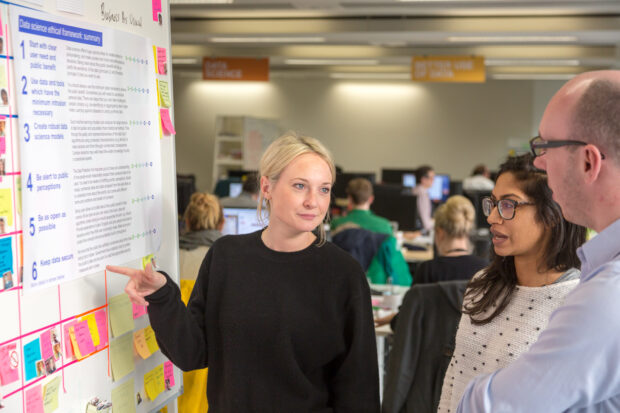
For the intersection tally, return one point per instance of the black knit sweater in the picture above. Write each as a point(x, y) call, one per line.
point(280, 332)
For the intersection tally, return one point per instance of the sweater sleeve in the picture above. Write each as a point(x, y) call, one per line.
point(355, 384)
point(180, 330)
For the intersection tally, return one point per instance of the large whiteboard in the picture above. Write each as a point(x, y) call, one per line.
point(127, 189)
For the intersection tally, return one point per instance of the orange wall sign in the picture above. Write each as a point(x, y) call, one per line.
point(235, 68)
point(448, 69)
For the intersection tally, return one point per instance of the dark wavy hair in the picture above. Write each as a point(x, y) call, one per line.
point(495, 286)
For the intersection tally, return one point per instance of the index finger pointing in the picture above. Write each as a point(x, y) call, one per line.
point(130, 272)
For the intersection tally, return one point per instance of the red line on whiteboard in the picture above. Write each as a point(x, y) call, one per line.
point(50, 326)
point(19, 287)
point(8, 234)
point(105, 283)
point(62, 357)
point(12, 173)
point(58, 369)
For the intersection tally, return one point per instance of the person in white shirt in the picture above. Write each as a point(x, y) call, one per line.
point(480, 180)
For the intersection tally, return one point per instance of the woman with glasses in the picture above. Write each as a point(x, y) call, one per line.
point(534, 265)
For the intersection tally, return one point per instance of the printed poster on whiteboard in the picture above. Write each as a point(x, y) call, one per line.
point(89, 146)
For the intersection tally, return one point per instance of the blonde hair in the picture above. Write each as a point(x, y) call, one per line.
point(456, 216)
point(203, 212)
point(281, 153)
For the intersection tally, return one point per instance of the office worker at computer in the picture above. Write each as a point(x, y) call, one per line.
point(480, 179)
point(282, 318)
point(248, 198)
point(424, 177)
point(573, 367)
point(360, 197)
point(534, 267)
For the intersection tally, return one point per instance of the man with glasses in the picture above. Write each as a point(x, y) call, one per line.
point(575, 364)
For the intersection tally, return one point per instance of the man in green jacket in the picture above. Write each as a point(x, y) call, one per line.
point(360, 197)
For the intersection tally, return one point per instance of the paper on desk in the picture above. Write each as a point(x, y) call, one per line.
point(121, 315)
point(121, 356)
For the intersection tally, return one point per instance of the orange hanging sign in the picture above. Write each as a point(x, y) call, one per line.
point(448, 69)
point(235, 69)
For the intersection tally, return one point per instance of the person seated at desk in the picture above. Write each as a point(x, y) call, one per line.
point(424, 175)
point(248, 198)
point(368, 237)
point(454, 220)
point(359, 197)
point(480, 180)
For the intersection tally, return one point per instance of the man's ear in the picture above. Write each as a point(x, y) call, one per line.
point(265, 187)
point(593, 162)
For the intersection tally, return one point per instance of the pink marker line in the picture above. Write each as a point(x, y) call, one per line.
point(24, 387)
point(8, 234)
point(19, 287)
point(12, 173)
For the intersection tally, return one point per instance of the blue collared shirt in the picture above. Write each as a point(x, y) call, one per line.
point(575, 364)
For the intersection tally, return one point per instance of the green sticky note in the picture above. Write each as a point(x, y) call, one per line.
point(121, 315)
point(50, 395)
point(123, 399)
point(164, 93)
point(121, 356)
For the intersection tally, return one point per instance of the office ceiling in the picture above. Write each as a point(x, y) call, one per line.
point(368, 39)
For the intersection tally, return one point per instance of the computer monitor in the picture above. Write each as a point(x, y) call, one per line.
point(241, 221)
point(234, 189)
point(343, 178)
point(396, 203)
point(395, 176)
point(440, 190)
point(409, 180)
point(476, 198)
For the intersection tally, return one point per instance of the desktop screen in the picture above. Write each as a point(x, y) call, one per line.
point(343, 178)
point(395, 176)
point(440, 191)
point(409, 180)
point(241, 221)
point(235, 189)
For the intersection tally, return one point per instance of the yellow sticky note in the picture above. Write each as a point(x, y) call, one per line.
point(50, 395)
point(6, 205)
point(154, 382)
point(139, 342)
point(123, 397)
point(74, 344)
point(165, 93)
point(18, 184)
point(158, 95)
point(155, 58)
point(161, 132)
point(149, 337)
point(121, 315)
point(92, 327)
point(146, 260)
point(121, 356)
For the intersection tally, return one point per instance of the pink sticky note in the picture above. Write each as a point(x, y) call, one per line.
point(2, 29)
point(9, 364)
point(138, 310)
point(161, 61)
point(166, 123)
point(102, 325)
point(2, 145)
point(67, 339)
point(168, 374)
point(46, 345)
point(34, 400)
point(156, 9)
point(83, 338)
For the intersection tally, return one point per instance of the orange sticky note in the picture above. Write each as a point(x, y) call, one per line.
point(140, 344)
point(149, 338)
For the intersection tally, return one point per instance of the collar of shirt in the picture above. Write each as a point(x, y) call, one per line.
point(603, 248)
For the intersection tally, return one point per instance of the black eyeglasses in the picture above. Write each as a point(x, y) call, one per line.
point(538, 145)
point(506, 207)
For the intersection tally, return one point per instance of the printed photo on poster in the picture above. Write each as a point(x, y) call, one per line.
point(7, 280)
point(4, 97)
point(3, 126)
point(2, 167)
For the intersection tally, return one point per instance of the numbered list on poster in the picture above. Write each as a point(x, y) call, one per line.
point(89, 146)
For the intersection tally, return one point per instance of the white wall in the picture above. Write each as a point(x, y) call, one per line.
point(367, 125)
